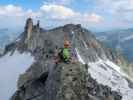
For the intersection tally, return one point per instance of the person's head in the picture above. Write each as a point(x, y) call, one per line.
point(66, 44)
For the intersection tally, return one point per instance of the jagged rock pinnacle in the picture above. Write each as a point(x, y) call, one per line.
point(29, 27)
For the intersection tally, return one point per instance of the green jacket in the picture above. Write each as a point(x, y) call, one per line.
point(66, 54)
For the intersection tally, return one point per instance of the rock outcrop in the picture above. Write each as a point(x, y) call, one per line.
point(61, 82)
point(29, 28)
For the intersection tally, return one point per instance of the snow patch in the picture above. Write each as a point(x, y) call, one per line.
point(118, 69)
point(114, 66)
point(11, 68)
point(108, 73)
point(85, 45)
point(72, 32)
point(79, 57)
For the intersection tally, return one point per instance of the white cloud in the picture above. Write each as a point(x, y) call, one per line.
point(57, 11)
point(30, 13)
point(59, 2)
point(94, 18)
point(119, 9)
point(11, 10)
point(12, 16)
point(121, 6)
point(50, 14)
point(16, 11)
point(124, 10)
point(116, 11)
point(60, 12)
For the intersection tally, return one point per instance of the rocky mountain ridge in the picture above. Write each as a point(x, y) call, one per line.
point(45, 80)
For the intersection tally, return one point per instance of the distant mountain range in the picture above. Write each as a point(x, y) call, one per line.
point(119, 39)
point(6, 36)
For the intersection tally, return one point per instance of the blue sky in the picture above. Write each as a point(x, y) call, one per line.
point(92, 14)
point(33, 4)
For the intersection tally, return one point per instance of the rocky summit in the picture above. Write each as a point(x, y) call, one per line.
point(61, 82)
point(45, 80)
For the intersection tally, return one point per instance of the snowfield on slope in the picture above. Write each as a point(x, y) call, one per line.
point(108, 73)
point(11, 67)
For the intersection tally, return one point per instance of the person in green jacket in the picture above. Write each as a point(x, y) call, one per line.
point(66, 54)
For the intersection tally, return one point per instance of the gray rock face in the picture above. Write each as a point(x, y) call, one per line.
point(45, 80)
point(100, 92)
point(79, 38)
point(62, 82)
point(70, 85)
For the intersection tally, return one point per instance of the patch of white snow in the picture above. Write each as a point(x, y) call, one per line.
point(109, 74)
point(79, 57)
point(85, 45)
point(72, 32)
